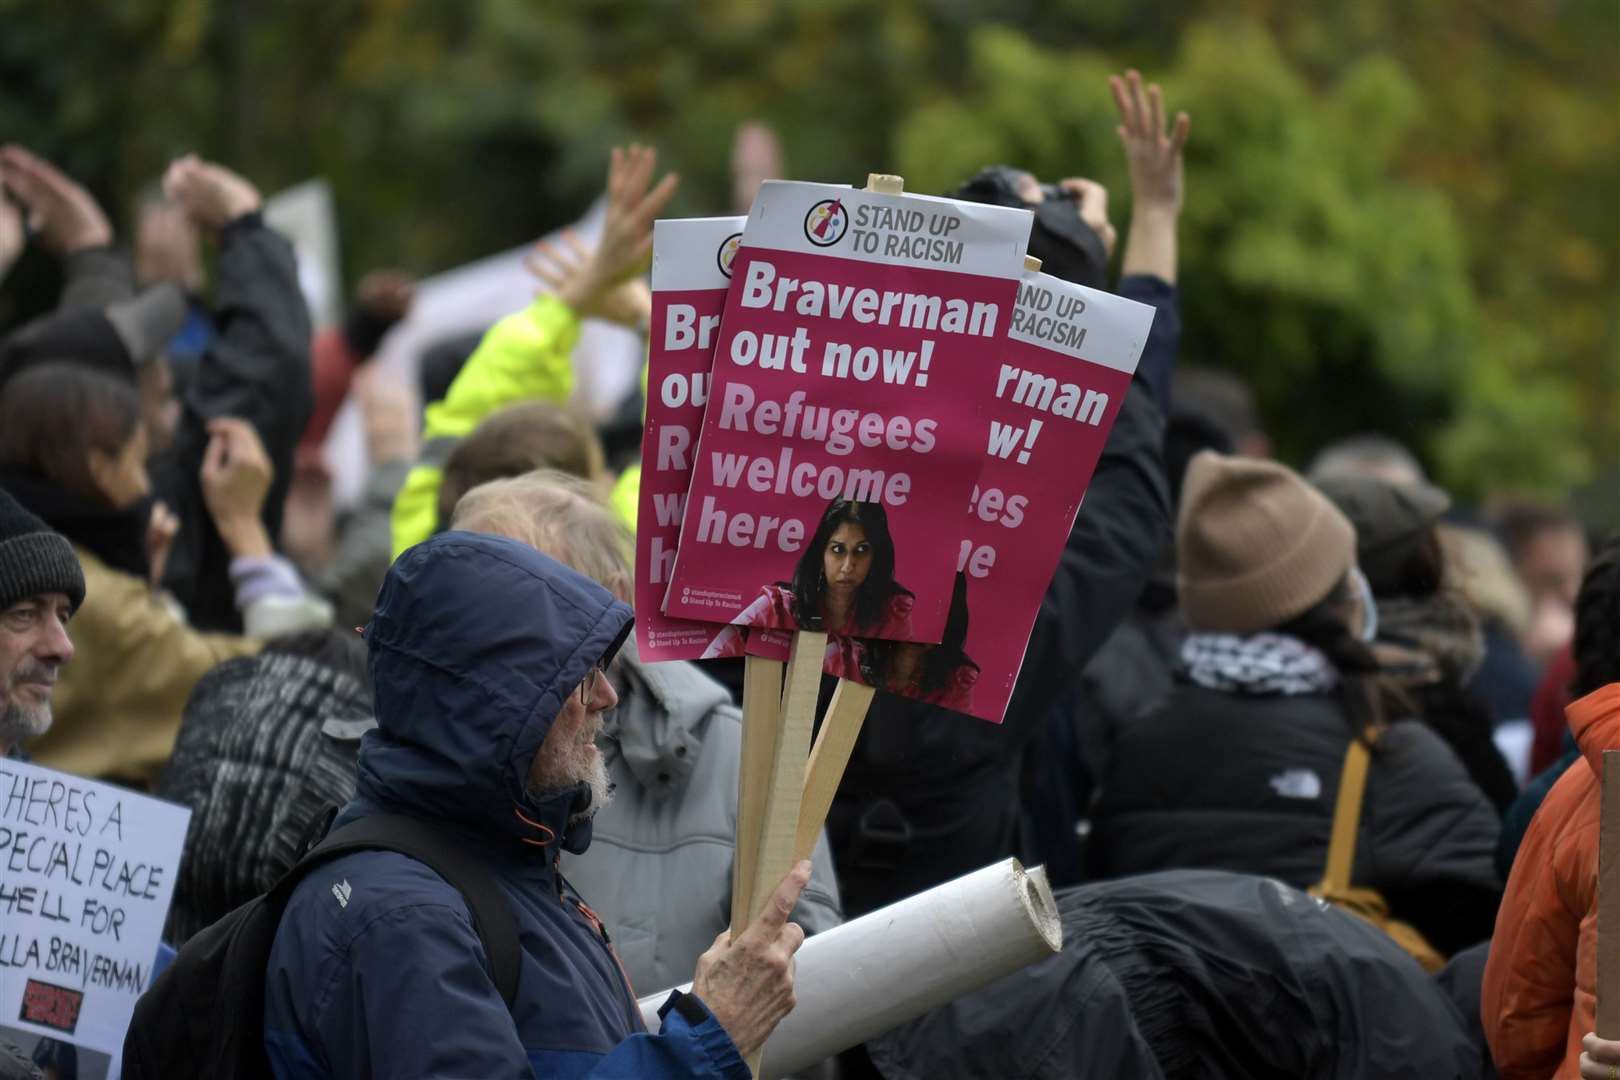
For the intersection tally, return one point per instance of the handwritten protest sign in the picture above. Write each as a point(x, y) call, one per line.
point(839, 442)
point(692, 262)
point(1061, 376)
point(86, 874)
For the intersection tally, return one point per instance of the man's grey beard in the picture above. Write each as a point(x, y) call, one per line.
point(593, 775)
point(18, 724)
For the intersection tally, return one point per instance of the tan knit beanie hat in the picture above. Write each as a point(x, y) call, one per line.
point(1255, 545)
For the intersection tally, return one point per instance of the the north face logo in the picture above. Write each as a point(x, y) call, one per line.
point(342, 891)
point(1297, 784)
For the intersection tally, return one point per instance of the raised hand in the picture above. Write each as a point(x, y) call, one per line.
point(64, 216)
point(386, 294)
point(1152, 153)
point(161, 529)
point(625, 245)
point(211, 195)
point(1153, 156)
point(236, 476)
point(558, 265)
point(1091, 203)
point(747, 982)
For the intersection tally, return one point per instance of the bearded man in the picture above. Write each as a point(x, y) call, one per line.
point(486, 662)
point(41, 585)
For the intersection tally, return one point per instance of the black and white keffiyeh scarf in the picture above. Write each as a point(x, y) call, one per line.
point(1258, 664)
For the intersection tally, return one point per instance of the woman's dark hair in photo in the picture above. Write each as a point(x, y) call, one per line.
point(809, 576)
point(940, 661)
point(1597, 622)
point(54, 414)
point(1368, 697)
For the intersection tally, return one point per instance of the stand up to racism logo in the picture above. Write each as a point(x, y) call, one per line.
point(728, 253)
point(826, 223)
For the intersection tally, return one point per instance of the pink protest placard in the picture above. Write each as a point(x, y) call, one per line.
point(1062, 374)
point(692, 262)
point(841, 437)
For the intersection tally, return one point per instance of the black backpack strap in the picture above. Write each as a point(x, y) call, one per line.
point(431, 846)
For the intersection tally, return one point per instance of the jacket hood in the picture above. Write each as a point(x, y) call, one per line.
point(1595, 721)
point(475, 644)
point(656, 726)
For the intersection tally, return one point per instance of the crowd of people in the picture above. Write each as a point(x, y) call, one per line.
point(1312, 757)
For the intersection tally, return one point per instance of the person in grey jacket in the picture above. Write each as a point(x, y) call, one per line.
point(660, 862)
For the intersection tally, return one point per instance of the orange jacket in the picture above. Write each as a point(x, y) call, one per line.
point(1539, 996)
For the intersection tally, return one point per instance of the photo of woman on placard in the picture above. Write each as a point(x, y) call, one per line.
point(940, 674)
point(843, 584)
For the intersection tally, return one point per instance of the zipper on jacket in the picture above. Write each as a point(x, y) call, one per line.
point(600, 927)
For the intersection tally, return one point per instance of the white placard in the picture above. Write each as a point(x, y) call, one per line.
point(86, 874)
point(919, 231)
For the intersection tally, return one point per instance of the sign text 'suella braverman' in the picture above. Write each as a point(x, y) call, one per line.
point(86, 874)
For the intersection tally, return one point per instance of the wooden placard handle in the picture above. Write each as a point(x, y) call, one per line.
point(762, 715)
point(1608, 901)
point(774, 856)
point(834, 743)
point(885, 183)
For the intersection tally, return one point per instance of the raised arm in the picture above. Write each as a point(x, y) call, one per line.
point(258, 365)
point(1148, 275)
point(525, 356)
point(1153, 155)
point(68, 223)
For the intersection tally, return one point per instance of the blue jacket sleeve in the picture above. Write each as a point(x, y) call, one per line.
point(1164, 340)
point(420, 968)
point(691, 1044)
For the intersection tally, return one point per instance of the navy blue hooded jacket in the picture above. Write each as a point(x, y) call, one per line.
point(376, 970)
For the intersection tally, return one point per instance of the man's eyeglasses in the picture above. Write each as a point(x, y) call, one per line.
point(588, 685)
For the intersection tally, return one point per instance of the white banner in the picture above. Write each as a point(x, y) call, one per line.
point(86, 874)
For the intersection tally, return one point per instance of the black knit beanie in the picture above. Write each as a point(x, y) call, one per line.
point(34, 559)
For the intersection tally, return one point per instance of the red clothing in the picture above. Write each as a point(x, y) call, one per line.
point(1547, 711)
point(332, 362)
point(774, 611)
point(1539, 995)
point(956, 694)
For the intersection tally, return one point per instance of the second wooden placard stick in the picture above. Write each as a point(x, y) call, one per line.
point(762, 723)
point(773, 857)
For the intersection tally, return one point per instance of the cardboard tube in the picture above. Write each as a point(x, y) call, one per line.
point(876, 972)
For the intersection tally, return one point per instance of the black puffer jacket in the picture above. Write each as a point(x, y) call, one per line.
point(1200, 975)
point(256, 368)
point(1247, 783)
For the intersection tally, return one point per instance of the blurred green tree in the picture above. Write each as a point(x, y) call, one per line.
point(1402, 217)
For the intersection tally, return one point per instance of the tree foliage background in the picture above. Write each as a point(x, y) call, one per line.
point(1401, 217)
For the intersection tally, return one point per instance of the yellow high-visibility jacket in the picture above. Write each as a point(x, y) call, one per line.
point(524, 357)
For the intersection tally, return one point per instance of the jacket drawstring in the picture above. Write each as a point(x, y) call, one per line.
point(550, 834)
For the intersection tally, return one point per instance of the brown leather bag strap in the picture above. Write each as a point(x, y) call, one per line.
point(1341, 855)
